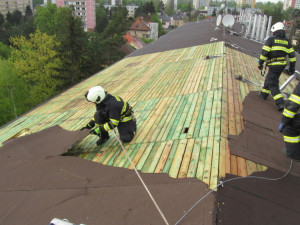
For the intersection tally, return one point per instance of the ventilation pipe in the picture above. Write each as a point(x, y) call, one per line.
point(269, 26)
point(263, 31)
point(258, 28)
point(249, 27)
point(254, 26)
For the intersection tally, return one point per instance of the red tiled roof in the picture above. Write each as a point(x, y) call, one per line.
point(139, 25)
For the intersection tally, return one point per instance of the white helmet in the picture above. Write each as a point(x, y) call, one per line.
point(277, 26)
point(95, 94)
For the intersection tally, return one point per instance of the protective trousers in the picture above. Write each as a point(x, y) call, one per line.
point(126, 129)
point(291, 137)
point(271, 85)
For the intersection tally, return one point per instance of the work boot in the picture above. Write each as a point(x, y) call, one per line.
point(262, 96)
point(284, 152)
point(102, 140)
point(280, 106)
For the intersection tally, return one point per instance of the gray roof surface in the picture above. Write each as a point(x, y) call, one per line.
point(192, 34)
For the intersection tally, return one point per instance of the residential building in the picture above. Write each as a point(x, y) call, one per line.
point(177, 19)
point(296, 4)
point(200, 3)
point(12, 5)
point(140, 29)
point(287, 4)
point(131, 8)
point(165, 20)
point(85, 9)
point(248, 2)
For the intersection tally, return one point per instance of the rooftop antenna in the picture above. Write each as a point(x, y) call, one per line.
point(228, 20)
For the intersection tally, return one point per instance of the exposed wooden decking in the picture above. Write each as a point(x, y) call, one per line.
point(185, 106)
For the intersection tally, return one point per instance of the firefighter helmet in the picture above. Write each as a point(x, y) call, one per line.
point(95, 94)
point(277, 26)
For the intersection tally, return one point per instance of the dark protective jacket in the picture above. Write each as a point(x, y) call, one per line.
point(275, 50)
point(110, 112)
point(292, 106)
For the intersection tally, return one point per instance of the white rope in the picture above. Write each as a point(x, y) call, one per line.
point(236, 178)
point(145, 186)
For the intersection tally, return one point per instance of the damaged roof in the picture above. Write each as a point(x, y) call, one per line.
point(184, 96)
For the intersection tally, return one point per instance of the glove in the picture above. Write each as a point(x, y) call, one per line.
point(281, 127)
point(96, 131)
point(260, 66)
point(86, 127)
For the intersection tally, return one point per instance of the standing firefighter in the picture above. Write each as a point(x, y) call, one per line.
point(111, 112)
point(275, 50)
point(290, 125)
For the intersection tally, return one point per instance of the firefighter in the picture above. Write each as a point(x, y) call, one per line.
point(275, 50)
point(290, 125)
point(111, 112)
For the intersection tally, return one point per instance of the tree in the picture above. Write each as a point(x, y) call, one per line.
point(13, 93)
point(4, 51)
point(1, 19)
point(161, 7)
point(38, 62)
point(155, 19)
point(28, 12)
point(101, 19)
point(69, 32)
point(214, 13)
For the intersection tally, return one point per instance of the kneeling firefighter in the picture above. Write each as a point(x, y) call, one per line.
point(111, 112)
point(275, 50)
point(290, 125)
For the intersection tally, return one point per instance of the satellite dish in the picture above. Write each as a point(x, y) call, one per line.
point(228, 20)
point(222, 6)
point(219, 19)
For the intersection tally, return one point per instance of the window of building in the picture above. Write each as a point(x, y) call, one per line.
point(77, 8)
point(66, 3)
point(82, 3)
point(77, 3)
point(83, 8)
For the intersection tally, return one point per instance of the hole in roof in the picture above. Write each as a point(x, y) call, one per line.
point(185, 130)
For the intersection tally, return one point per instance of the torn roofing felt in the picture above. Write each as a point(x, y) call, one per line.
point(37, 185)
point(260, 140)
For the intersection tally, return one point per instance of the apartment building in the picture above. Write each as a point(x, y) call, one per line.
point(12, 5)
point(85, 9)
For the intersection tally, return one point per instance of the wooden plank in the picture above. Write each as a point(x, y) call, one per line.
point(178, 158)
point(208, 160)
point(194, 158)
point(201, 163)
point(171, 156)
point(186, 159)
point(164, 156)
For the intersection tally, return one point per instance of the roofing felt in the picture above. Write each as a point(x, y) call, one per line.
point(260, 133)
point(37, 185)
point(204, 32)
